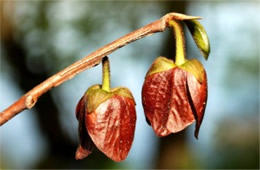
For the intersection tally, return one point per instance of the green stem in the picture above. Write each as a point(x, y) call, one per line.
point(180, 42)
point(106, 74)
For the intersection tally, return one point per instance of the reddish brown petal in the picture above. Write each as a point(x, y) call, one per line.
point(165, 101)
point(156, 98)
point(181, 111)
point(86, 145)
point(111, 126)
point(82, 152)
point(198, 99)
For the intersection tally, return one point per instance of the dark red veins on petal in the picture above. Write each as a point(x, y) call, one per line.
point(111, 126)
point(165, 101)
point(181, 114)
point(156, 96)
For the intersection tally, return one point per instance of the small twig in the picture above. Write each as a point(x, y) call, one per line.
point(30, 98)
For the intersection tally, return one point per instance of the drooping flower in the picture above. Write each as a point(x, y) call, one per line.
point(174, 92)
point(107, 120)
point(174, 96)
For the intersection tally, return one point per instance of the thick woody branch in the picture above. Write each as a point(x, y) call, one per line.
point(30, 98)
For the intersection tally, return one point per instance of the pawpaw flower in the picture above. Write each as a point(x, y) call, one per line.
point(174, 93)
point(174, 96)
point(107, 119)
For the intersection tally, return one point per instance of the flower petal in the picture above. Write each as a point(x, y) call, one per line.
point(198, 98)
point(111, 126)
point(86, 145)
point(181, 114)
point(165, 101)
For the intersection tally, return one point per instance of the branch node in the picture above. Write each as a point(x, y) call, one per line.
point(30, 102)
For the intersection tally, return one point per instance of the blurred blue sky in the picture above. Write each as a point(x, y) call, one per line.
point(232, 68)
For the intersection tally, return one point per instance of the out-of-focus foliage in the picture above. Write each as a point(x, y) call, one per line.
point(236, 143)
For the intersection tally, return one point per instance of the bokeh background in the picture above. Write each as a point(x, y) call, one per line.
point(39, 38)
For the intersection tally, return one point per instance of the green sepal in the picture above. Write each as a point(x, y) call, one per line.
point(161, 64)
point(122, 91)
point(95, 95)
point(200, 36)
point(194, 67)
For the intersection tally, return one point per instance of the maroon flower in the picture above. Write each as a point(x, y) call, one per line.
point(174, 93)
point(174, 96)
point(107, 120)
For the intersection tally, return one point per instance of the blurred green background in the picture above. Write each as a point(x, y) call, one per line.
point(39, 38)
